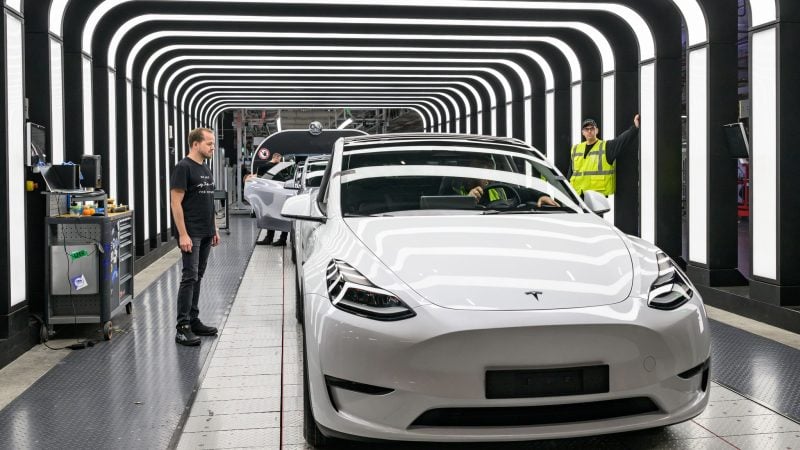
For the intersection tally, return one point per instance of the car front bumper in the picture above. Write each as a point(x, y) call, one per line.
point(437, 361)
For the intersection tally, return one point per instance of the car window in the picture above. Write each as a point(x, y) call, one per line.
point(322, 197)
point(284, 174)
point(314, 173)
point(407, 179)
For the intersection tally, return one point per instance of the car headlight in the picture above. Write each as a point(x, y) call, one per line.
point(671, 289)
point(351, 291)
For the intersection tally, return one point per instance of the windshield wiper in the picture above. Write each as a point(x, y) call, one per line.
point(366, 215)
point(534, 210)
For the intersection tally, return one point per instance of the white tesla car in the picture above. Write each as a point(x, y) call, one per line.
point(437, 311)
point(267, 193)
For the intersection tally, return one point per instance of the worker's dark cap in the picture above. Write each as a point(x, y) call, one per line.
point(588, 122)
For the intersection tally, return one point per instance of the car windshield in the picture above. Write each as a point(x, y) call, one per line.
point(488, 180)
point(281, 171)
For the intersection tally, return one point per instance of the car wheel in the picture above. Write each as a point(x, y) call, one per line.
point(311, 431)
point(298, 309)
point(294, 253)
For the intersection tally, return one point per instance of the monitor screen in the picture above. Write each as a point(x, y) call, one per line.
point(37, 143)
point(736, 138)
point(61, 178)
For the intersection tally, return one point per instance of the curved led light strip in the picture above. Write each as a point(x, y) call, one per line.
point(196, 98)
point(492, 98)
point(521, 73)
point(436, 105)
point(417, 99)
point(329, 89)
point(602, 44)
point(527, 90)
point(368, 79)
point(56, 16)
point(763, 12)
point(499, 76)
point(333, 103)
point(563, 47)
point(224, 107)
point(637, 24)
point(528, 124)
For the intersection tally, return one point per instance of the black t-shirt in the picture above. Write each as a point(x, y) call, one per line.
point(197, 183)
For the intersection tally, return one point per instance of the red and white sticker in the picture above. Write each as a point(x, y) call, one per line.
point(263, 153)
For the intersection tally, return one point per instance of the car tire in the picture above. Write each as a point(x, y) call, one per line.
point(298, 292)
point(291, 241)
point(311, 431)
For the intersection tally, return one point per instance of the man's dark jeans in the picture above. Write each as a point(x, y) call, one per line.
point(194, 265)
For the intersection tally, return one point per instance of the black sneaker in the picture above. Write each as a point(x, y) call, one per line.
point(184, 336)
point(279, 243)
point(202, 330)
point(263, 242)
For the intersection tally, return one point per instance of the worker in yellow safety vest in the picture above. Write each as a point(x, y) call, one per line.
point(593, 161)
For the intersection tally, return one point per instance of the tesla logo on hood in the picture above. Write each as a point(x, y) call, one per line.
point(535, 294)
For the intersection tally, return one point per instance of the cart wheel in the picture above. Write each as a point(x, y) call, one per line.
point(43, 335)
point(107, 331)
point(129, 307)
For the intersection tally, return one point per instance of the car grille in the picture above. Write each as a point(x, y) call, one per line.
point(547, 382)
point(535, 415)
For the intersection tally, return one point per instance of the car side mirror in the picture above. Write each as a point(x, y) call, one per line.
point(596, 202)
point(301, 207)
point(290, 184)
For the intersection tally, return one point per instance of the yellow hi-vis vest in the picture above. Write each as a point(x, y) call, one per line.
point(592, 173)
point(494, 194)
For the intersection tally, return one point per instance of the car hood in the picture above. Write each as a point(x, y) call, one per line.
point(503, 262)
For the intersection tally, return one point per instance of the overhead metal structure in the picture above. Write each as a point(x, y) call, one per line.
point(127, 79)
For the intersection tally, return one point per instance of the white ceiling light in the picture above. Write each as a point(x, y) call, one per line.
point(328, 91)
point(567, 51)
point(637, 24)
point(199, 87)
point(491, 109)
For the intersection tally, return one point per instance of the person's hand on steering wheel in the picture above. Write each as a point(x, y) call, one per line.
point(476, 192)
point(546, 200)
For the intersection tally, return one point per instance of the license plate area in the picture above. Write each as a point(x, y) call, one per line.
point(546, 382)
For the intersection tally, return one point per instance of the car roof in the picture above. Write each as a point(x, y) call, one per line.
point(317, 158)
point(436, 139)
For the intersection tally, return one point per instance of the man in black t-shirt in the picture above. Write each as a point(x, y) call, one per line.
point(192, 200)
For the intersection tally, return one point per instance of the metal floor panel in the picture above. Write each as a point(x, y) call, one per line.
point(130, 392)
point(757, 367)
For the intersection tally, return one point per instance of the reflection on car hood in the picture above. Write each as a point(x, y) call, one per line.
point(519, 262)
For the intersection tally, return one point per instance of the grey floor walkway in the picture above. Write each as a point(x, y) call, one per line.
point(130, 392)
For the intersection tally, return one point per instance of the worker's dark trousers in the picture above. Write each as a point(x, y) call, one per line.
point(194, 265)
point(271, 235)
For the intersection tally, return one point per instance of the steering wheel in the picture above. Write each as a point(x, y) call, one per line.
point(505, 202)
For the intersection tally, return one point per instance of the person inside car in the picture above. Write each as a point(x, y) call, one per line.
point(477, 188)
